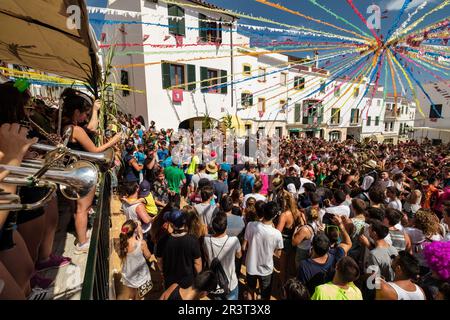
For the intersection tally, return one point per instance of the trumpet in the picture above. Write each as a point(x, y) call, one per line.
point(104, 160)
point(76, 181)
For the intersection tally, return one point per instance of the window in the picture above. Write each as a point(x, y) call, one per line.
point(261, 130)
point(262, 74)
point(335, 116)
point(283, 78)
point(377, 120)
point(176, 26)
point(174, 75)
point(124, 81)
point(401, 129)
point(378, 103)
point(261, 105)
point(246, 99)
point(211, 79)
point(312, 112)
point(356, 92)
point(392, 126)
point(247, 69)
point(279, 131)
point(282, 105)
point(354, 116)
point(322, 86)
point(209, 31)
point(248, 127)
point(386, 126)
point(297, 113)
point(337, 91)
point(369, 121)
point(299, 83)
point(435, 111)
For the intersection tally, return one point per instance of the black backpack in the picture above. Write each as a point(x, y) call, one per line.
point(223, 284)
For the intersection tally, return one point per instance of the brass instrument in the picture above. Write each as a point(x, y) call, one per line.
point(76, 181)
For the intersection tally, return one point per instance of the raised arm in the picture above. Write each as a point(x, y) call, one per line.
point(346, 243)
point(82, 138)
point(93, 123)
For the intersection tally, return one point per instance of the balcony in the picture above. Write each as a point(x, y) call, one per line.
point(391, 114)
point(312, 120)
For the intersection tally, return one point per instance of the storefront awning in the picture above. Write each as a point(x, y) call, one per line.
point(37, 34)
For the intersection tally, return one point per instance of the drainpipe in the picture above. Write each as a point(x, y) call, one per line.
point(232, 75)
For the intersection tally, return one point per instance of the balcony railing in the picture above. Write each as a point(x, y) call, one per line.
point(312, 120)
point(96, 279)
point(391, 114)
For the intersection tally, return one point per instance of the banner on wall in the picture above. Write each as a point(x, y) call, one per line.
point(177, 95)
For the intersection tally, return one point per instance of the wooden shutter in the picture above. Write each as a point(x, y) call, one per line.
point(224, 80)
point(181, 24)
point(191, 77)
point(297, 112)
point(176, 26)
point(202, 25)
point(165, 71)
point(203, 78)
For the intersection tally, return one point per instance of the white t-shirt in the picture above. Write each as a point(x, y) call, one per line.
point(257, 197)
point(196, 178)
point(304, 181)
point(226, 257)
point(396, 204)
point(340, 210)
point(263, 240)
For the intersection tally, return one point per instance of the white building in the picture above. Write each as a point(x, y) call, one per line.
point(436, 124)
point(372, 125)
point(160, 70)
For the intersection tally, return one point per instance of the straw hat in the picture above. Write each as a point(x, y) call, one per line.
point(277, 183)
point(211, 167)
point(371, 164)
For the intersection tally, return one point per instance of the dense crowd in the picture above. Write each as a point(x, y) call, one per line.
point(336, 220)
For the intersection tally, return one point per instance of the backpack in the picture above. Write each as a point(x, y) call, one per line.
point(223, 284)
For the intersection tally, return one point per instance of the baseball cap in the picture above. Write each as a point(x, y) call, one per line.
point(144, 189)
point(175, 217)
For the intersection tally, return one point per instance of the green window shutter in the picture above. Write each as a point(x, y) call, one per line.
point(202, 25)
point(173, 12)
point(191, 77)
point(224, 80)
point(181, 24)
point(176, 26)
point(297, 112)
point(165, 71)
point(250, 99)
point(203, 78)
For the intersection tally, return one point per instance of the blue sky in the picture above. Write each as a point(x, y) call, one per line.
point(340, 7)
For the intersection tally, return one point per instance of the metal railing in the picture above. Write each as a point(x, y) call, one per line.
point(96, 278)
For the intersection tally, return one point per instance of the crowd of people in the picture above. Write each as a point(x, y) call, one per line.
point(333, 221)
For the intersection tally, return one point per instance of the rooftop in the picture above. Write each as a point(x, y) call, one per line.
point(211, 6)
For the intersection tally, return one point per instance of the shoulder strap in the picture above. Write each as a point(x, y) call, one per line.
point(212, 250)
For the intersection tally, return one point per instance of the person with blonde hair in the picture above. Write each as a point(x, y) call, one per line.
point(426, 229)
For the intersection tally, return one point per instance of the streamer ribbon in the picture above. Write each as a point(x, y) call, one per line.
point(355, 9)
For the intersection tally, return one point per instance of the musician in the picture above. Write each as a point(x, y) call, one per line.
point(78, 107)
